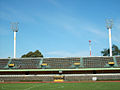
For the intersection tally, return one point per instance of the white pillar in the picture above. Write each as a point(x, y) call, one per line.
point(90, 46)
point(110, 42)
point(14, 44)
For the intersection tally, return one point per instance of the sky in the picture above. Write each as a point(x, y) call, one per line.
point(58, 28)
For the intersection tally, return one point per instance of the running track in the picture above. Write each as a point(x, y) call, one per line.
point(62, 82)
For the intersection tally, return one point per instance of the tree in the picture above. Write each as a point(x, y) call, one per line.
point(115, 51)
point(37, 53)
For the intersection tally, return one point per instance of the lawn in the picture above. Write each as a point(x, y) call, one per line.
point(61, 86)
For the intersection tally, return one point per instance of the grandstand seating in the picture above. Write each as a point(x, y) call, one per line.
point(25, 63)
point(64, 63)
point(67, 77)
point(60, 63)
point(3, 63)
point(88, 77)
point(60, 69)
point(7, 78)
point(97, 62)
point(118, 60)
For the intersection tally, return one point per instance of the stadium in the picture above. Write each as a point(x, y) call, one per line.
point(76, 42)
point(59, 70)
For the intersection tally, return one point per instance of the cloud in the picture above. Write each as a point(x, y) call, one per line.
point(116, 38)
point(116, 31)
point(67, 54)
point(55, 3)
point(74, 25)
point(98, 32)
point(4, 31)
point(11, 14)
point(117, 24)
point(86, 26)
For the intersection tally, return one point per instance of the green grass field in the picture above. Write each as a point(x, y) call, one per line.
point(62, 86)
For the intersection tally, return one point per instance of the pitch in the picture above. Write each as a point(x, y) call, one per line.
point(61, 86)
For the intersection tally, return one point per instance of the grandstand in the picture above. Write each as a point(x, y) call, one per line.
point(60, 63)
point(60, 69)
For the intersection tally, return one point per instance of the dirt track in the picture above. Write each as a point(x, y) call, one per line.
point(62, 82)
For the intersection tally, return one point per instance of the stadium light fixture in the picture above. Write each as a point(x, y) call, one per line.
point(14, 27)
point(109, 24)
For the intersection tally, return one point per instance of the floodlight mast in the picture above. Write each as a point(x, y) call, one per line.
point(14, 27)
point(90, 46)
point(109, 23)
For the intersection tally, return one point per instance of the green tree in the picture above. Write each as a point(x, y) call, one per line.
point(37, 53)
point(115, 51)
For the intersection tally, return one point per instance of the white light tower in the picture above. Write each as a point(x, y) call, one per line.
point(14, 27)
point(109, 23)
point(90, 46)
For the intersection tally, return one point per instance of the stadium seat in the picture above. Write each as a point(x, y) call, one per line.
point(111, 63)
point(11, 65)
point(77, 64)
point(59, 78)
point(44, 65)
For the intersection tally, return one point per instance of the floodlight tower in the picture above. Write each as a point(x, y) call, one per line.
point(90, 46)
point(14, 27)
point(109, 23)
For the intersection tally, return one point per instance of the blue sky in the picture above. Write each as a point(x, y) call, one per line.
point(58, 28)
